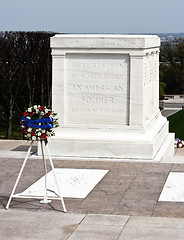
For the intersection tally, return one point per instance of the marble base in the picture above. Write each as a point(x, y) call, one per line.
point(74, 183)
point(173, 190)
point(114, 143)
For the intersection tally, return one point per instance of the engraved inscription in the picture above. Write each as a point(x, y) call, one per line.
point(97, 99)
point(110, 110)
point(96, 76)
point(85, 65)
point(97, 88)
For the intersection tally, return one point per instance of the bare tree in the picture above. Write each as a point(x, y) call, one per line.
point(11, 70)
point(25, 71)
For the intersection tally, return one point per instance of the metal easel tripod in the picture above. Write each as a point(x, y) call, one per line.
point(45, 199)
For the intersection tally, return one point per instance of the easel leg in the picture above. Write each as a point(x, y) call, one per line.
point(20, 173)
point(55, 178)
point(45, 200)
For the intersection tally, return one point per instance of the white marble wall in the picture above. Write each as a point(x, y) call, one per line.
point(103, 85)
point(151, 84)
point(96, 89)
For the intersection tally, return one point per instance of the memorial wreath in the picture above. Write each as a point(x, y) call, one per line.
point(178, 143)
point(38, 122)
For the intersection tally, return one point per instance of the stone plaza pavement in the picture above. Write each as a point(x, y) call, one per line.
point(123, 205)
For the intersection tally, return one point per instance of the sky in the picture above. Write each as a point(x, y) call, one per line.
point(93, 16)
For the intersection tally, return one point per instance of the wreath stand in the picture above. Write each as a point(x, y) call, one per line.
point(45, 199)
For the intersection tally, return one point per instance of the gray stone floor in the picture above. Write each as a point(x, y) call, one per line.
point(20, 225)
point(169, 112)
point(123, 205)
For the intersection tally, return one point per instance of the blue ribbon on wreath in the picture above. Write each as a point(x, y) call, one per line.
point(35, 123)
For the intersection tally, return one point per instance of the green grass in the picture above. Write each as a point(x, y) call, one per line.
point(176, 124)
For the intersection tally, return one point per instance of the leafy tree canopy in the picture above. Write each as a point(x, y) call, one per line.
point(172, 66)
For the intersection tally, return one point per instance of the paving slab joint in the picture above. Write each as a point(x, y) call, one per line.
point(76, 226)
point(123, 227)
point(130, 184)
point(152, 215)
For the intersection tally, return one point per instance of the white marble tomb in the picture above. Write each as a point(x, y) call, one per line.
point(106, 94)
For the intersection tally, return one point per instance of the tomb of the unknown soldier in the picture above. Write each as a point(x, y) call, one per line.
point(105, 90)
